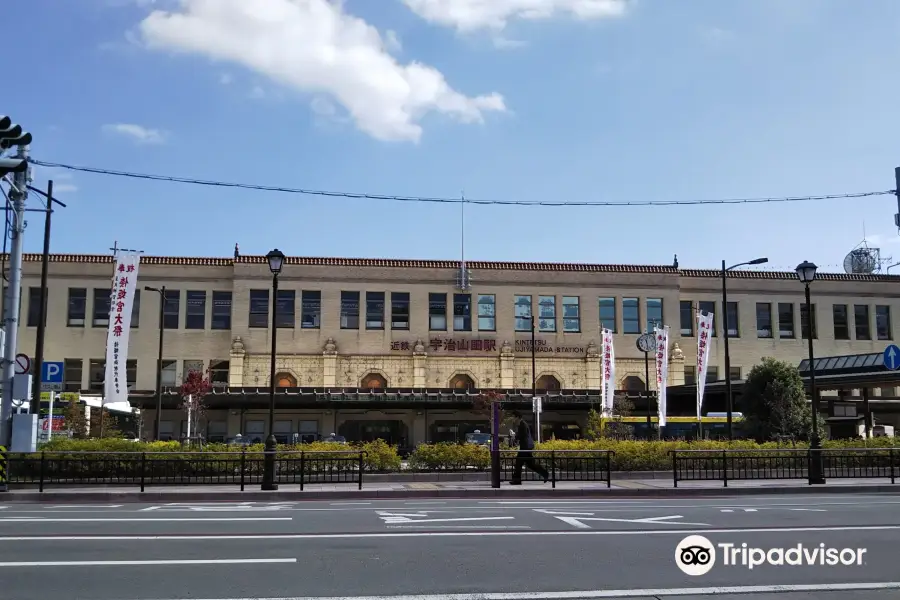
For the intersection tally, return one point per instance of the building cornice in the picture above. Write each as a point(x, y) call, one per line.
point(390, 263)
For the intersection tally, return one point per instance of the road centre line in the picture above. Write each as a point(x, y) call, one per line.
point(626, 593)
point(376, 535)
point(137, 563)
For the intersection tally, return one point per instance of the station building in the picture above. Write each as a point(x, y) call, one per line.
point(396, 349)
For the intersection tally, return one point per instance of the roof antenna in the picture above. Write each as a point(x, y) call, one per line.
point(462, 280)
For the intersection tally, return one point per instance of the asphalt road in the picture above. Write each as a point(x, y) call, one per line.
point(529, 549)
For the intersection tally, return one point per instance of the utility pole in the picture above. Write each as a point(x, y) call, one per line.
point(12, 135)
point(897, 192)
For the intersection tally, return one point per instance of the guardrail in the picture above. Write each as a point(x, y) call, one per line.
point(182, 468)
point(562, 465)
point(743, 465)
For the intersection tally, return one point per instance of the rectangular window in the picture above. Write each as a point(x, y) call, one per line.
point(374, 310)
point(131, 372)
point(690, 375)
point(805, 324)
point(349, 310)
point(861, 319)
point(136, 309)
point(190, 365)
point(487, 313)
point(221, 310)
point(100, 313)
point(763, 320)
point(286, 309)
point(608, 314)
point(571, 314)
point(77, 307)
point(462, 312)
point(883, 322)
point(400, 310)
point(72, 368)
point(218, 372)
point(654, 313)
point(631, 315)
point(216, 431)
point(547, 314)
point(195, 312)
point(172, 309)
point(686, 310)
point(310, 309)
point(841, 322)
point(734, 328)
point(169, 373)
point(786, 320)
point(712, 374)
point(735, 373)
point(34, 306)
point(259, 308)
point(437, 312)
point(96, 374)
point(709, 308)
point(522, 308)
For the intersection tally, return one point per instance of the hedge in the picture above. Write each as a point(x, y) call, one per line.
point(630, 455)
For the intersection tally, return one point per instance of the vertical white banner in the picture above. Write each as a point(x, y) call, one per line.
point(121, 305)
point(662, 371)
point(608, 364)
point(704, 333)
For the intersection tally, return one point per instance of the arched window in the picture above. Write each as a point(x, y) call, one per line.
point(285, 380)
point(461, 381)
point(548, 383)
point(374, 381)
point(633, 383)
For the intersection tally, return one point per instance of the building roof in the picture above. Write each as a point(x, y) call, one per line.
point(454, 264)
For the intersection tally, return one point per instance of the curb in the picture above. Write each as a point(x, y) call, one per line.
point(260, 496)
point(455, 476)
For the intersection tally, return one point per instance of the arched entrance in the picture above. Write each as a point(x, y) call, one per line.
point(285, 380)
point(548, 383)
point(633, 383)
point(461, 381)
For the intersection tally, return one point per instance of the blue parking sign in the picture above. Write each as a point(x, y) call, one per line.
point(52, 372)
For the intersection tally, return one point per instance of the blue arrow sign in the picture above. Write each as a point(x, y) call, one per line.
point(892, 357)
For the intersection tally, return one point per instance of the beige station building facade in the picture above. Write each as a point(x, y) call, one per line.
point(393, 349)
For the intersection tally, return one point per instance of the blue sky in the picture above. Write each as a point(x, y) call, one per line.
point(578, 100)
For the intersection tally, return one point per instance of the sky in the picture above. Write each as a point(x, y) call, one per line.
point(515, 100)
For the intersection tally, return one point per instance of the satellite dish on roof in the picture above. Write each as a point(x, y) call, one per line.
point(862, 261)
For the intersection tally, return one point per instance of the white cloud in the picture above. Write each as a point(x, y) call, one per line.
point(225, 79)
point(315, 46)
point(503, 43)
point(64, 188)
point(471, 15)
point(138, 133)
point(392, 41)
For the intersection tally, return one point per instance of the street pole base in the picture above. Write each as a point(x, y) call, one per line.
point(269, 487)
point(817, 481)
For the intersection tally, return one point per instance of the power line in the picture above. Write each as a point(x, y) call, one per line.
point(439, 200)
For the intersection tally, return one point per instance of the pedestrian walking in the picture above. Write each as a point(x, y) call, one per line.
point(525, 456)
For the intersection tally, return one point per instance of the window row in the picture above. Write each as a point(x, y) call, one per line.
point(781, 317)
point(73, 372)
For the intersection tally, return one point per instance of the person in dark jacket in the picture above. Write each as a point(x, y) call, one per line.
point(525, 458)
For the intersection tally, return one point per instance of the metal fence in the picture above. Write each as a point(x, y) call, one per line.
point(182, 468)
point(561, 465)
point(743, 465)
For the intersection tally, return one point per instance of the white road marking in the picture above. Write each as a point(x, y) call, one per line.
point(458, 527)
point(126, 563)
point(632, 593)
point(140, 520)
point(350, 503)
point(577, 521)
point(85, 506)
point(224, 507)
point(395, 519)
point(375, 535)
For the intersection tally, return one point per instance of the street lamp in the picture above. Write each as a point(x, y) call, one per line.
point(806, 272)
point(159, 359)
point(275, 258)
point(728, 396)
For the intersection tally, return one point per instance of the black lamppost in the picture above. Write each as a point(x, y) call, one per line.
point(159, 359)
point(728, 397)
point(806, 271)
point(276, 261)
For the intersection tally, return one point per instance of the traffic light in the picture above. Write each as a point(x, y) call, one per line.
point(12, 134)
point(13, 165)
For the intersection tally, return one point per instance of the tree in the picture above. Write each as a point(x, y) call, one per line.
point(75, 421)
point(193, 392)
point(110, 426)
point(484, 403)
point(614, 426)
point(775, 404)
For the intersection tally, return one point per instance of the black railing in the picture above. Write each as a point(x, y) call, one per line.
point(183, 468)
point(562, 465)
point(743, 465)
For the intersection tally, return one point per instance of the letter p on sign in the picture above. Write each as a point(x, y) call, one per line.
point(51, 376)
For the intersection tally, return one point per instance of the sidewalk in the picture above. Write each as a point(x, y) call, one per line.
point(631, 488)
